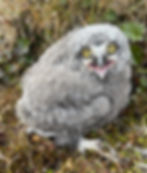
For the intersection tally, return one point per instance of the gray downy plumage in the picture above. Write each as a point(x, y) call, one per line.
point(63, 99)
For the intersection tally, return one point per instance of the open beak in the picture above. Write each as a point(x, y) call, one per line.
point(101, 66)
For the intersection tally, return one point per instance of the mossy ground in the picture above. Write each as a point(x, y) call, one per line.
point(20, 153)
point(27, 28)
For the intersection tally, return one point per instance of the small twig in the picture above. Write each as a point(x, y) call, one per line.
point(4, 158)
point(142, 166)
point(109, 156)
point(142, 151)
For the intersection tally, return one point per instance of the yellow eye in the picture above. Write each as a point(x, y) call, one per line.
point(112, 48)
point(86, 53)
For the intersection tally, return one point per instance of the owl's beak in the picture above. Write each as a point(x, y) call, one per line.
point(101, 72)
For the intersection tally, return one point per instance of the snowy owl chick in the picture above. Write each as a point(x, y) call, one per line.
point(79, 84)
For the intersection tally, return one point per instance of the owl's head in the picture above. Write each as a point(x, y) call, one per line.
point(100, 56)
point(99, 49)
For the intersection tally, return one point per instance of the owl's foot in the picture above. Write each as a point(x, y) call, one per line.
point(104, 150)
point(39, 132)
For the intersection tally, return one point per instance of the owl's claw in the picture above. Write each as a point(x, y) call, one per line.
point(99, 147)
point(31, 131)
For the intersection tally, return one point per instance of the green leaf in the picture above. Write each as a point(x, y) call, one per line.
point(143, 82)
point(23, 45)
point(49, 171)
point(23, 42)
point(137, 52)
point(133, 30)
point(63, 2)
point(87, 3)
point(110, 16)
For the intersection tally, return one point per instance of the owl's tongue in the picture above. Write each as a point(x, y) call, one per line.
point(101, 70)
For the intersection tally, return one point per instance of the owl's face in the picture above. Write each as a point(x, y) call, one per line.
point(100, 49)
point(100, 57)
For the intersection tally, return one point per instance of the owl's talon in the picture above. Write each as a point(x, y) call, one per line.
point(98, 146)
point(30, 131)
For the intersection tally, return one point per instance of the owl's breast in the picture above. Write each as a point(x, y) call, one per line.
point(69, 99)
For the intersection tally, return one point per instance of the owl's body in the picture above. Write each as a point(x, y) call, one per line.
point(64, 99)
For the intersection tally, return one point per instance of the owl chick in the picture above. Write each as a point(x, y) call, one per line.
point(79, 84)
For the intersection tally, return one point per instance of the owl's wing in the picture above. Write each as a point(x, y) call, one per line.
point(60, 96)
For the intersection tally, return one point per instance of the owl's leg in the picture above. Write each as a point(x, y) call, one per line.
point(99, 147)
point(31, 130)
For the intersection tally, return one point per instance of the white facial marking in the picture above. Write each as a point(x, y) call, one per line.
point(102, 73)
point(113, 57)
point(99, 51)
point(87, 61)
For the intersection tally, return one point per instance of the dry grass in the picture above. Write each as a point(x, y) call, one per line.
point(27, 28)
point(20, 153)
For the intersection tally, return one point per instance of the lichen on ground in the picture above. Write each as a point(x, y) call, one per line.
point(33, 154)
point(27, 29)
